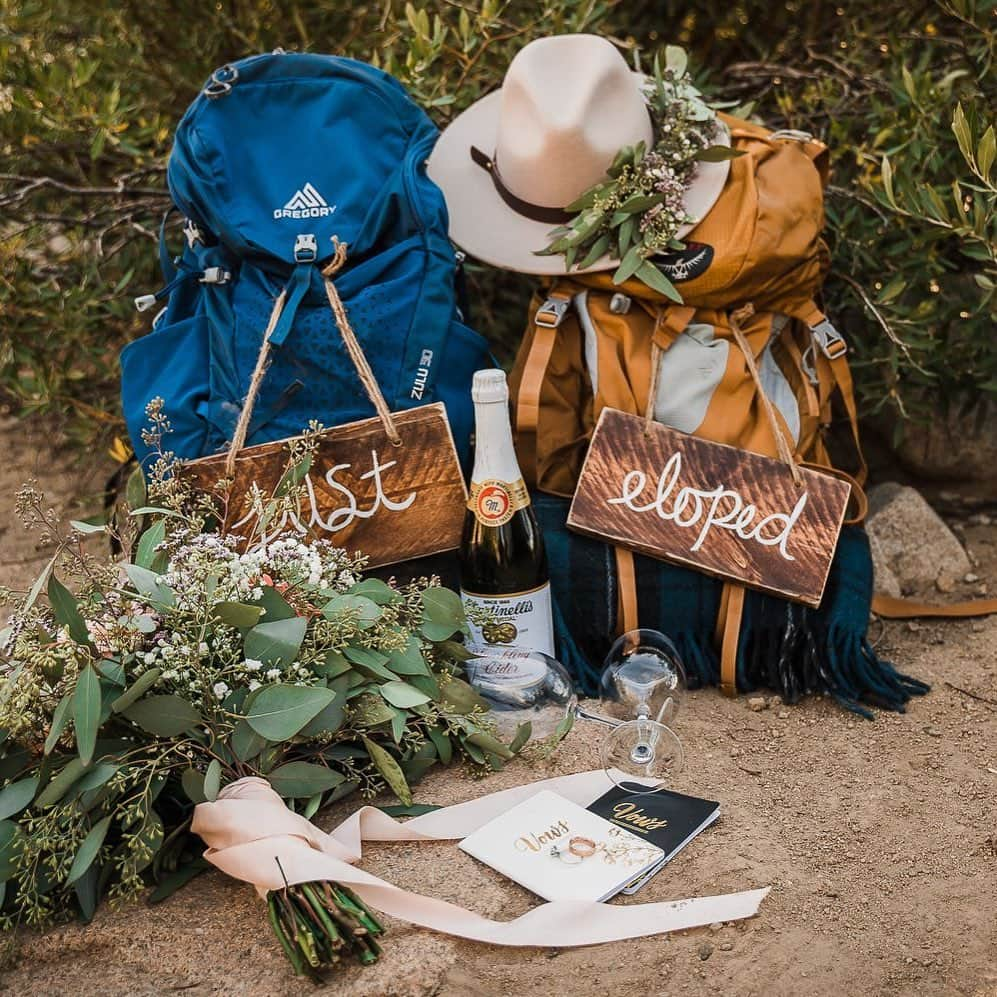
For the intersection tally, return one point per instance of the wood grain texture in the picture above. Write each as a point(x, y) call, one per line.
point(390, 503)
point(694, 509)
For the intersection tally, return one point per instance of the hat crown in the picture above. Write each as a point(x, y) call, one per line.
point(568, 104)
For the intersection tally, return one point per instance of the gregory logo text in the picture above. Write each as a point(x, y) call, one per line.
point(307, 202)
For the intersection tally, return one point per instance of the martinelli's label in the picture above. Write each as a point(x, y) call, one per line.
point(495, 502)
point(521, 619)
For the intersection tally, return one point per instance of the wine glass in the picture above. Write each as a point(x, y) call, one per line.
point(639, 694)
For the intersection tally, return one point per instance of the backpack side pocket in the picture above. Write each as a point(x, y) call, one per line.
point(170, 363)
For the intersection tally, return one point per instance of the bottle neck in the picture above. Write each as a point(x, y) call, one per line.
point(494, 454)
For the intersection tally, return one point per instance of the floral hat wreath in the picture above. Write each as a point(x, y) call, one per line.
point(626, 163)
point(638, 211)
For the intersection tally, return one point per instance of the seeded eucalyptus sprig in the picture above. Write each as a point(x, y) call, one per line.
point(637, 211)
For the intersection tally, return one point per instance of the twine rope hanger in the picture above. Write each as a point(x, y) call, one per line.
point(353, 348)
point(782, 446)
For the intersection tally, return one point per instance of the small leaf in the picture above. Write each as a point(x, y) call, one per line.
point(88, 850)
point(60, 785)
point(276, 644)
point(148, 583)
point(328, 720)
point(15, 796)
point(657, 281)
point(409, 660)
point(145, 553)
point(164, 716)
point(597, 251)
point(135, 493)
point(298, 780)
point(490, 745)
point(245, 742)
point(192, 782)
point(376, 590)
point(10, 842)
point(461, 697)
point(113, 671)
point(629, 265)
point(676, 60)
point(390, 770)
point(403, 695)
point(274, 606)
point(138, 688)
point(59, 717)
point(415, 810)
point(279, 711)
point(212, 780)
point(359, 607)
point(334, 664)
point(82, 527)
point(237, 614)
point(565, 725)
point(86, 712)
point(986, 151)
point(66, 611)
point(168, 885)
point(522, 735)
point(718, 154)
point(442, 744)
point(443, 606)
point(641, 202)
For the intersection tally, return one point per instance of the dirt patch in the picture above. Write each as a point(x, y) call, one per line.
point(879, 841)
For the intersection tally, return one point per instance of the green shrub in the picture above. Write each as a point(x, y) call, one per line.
point(94, 90)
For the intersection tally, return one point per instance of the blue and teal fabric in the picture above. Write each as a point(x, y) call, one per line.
point(278, 155)
point(784, 647)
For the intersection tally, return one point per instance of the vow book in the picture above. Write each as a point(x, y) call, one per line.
point(666, 819)
point(561, 851)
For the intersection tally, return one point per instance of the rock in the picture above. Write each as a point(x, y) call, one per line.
point(758, 703)
point(705, 951)
point(59, 244)
point(726, 946)
point(932, 732)
point(884, 581)
point(910, 539)
point(783, 714)
point(970, 577)
point(945, 583)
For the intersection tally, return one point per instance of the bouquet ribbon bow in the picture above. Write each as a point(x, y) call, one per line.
point(248, 828)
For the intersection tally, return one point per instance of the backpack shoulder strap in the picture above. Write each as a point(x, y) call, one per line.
point(729, 633)
point(548, 317)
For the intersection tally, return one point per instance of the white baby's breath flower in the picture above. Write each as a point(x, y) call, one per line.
point(220, 689)
point(252, 665)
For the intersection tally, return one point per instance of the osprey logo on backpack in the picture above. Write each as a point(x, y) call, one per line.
point(687, 263)
point(307, 202)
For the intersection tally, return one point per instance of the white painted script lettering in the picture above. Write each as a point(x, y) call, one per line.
point(705, 509)
point(310, 517)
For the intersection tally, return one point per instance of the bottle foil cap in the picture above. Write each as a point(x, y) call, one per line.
point(490, 386)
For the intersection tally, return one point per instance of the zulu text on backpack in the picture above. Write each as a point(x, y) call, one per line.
point(278, 155)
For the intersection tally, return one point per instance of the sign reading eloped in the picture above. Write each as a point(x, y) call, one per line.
point(361, 492)
point(713, 507)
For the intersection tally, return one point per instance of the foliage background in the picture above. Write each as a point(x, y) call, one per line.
point(91, 91)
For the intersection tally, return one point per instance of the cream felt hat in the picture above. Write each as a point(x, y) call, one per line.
point(511, 162)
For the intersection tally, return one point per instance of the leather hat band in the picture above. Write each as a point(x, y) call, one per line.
point(535, 212)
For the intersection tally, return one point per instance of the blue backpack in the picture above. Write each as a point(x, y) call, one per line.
point(277, 156)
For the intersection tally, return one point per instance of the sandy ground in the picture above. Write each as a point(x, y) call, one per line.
point(879, 841)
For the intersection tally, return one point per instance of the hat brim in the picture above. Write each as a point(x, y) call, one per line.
point(485, 227)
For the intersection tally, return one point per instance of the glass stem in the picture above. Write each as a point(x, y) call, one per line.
point(582, 714)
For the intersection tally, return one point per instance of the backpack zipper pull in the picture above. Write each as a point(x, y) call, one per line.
point(213, 275)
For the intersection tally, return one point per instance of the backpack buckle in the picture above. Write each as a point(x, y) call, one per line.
point(305, 249)
point(221, 82)
point(551, 313)
point(215, 275)
point(832, 344)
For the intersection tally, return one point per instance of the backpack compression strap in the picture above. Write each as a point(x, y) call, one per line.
point(545, 323)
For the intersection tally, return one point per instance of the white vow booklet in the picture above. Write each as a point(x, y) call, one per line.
point(561, 851)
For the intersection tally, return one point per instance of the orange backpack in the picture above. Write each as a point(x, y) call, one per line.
point(748, 359)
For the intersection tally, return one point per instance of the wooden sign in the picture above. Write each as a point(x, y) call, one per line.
point(389, 502)
point(713, 507)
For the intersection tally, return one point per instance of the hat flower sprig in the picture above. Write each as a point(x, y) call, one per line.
point(638, 210)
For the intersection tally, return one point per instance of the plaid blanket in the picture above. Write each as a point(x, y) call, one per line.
point(791, 649)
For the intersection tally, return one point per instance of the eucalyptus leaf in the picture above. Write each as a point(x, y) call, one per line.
point(59, 717)
point(280, 711)
point(168, 885)
point(328, 720)
point(66, 611)
point(403, 695)
point(10, 841)
point(137, 689)
point(97, 776)
point(245, 742)
point(441, 741)
point(298, 780)
point(369, 710)
point(596, 252)
point(377, 591)
point(274, 605)
point(415, 810)
point(86, 712)
point(145, 553)
point(164, 716)
point(718, 154)
point(135, 491)
point(426, 684)
point(629, 265)
point(237, 614)
point(443, 606)
point(359, 607)
point(389, 769)
point(276, 644)
point(398, 722)
point(409, 660)
point(212, 780)
point(489, 744)
point(369, 661)
point(334, 664)
point(113, 671)
point(192, 782)
point(15, 796)
point(461, 697)
point(148, 583)
point(657, 281)
point(83, 527)
point(522, 735)
point(88, 850)
point(61, 783)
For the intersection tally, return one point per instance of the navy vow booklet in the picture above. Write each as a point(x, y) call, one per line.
point(663, 818)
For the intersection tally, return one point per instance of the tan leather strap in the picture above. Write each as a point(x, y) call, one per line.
point(843, 377)
point(859, 497)
point(626, 578)
point(548, 317)
point(905, 609)
point(729, 642)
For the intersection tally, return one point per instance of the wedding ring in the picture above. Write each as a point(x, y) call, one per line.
point(582, 847)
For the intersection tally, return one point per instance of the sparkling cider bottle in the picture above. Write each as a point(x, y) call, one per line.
point(503, 564)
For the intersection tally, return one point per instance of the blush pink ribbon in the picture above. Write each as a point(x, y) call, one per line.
point(248, 827)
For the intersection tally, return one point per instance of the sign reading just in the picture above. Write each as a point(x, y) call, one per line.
point(709, 506)
point(361, 492)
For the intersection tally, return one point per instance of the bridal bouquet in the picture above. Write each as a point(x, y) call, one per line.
point(132, 691)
